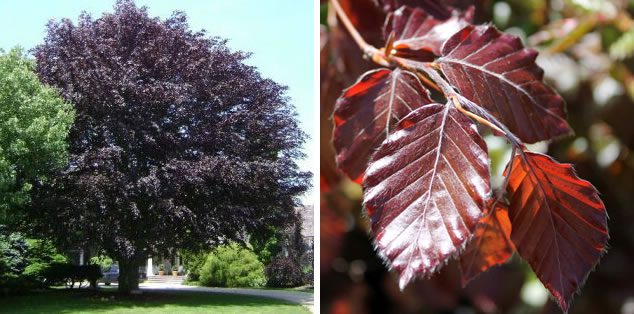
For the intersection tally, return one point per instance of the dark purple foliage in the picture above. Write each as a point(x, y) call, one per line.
point(177, 142)
point(283, 272)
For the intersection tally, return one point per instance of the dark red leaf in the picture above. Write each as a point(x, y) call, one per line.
point(437, 9)
point(491, 244)
point(559, 223)
point(417, 31)
point(495, 70)
point(367, 111)
point(425, 190)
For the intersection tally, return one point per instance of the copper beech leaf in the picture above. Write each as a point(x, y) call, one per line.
point(491, 244)
point(425, 190)
point(368, 110)
point(417, 33)
point(494, 70)
point(435, 8)
point(559, 223)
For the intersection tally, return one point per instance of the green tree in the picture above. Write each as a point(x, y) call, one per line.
point(24, 261)
point(193, 261)
point(34, 125)
point(232, 265)
point(13, 252)
point(39, 257)
point(268, 244)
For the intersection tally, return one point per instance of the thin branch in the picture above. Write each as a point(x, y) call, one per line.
point(427, 68)
point(374, 53)
point(515, 146)
point(389, 45)
point(365, 47)
point(484, 114)
point(450, 93)
point(505, 184)
point(474, 116)
point(437, 82)
point(428, 82)
point(418, 67)
point(513, 152)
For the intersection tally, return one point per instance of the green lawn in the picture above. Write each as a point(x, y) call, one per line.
point(108, 301)
point(303, 289)
point(307, 289)
point(298, 289)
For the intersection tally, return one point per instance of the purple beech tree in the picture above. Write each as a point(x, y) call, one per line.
point(177, 143)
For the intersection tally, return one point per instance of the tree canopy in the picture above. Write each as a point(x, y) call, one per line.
point(34, 125)
point(177, 142)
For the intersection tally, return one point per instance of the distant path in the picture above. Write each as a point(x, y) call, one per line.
point(304, 298)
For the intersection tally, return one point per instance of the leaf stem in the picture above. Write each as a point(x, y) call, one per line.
point(435, 80)
point(473, 111)
point(515, 146)
point(492, 121)
point(402, 63)
point(374, 53)
point(428, 82)
point(367, 49)
point(474, 116)
point(505, 184)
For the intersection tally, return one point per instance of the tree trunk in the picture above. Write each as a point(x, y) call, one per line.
point(128, 275)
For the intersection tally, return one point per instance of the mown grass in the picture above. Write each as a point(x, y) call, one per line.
point(109, 301)
point(307, 289)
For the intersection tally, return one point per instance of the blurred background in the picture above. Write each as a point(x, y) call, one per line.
point(587, 51)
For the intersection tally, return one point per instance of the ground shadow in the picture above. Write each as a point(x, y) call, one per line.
point(108, 300)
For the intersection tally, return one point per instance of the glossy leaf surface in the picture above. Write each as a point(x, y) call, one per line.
point(414, 30)
point(491, 244)
point(495, 70)
point(368, 111)
point(559, 223)
point(435, 8)
point(425, 190)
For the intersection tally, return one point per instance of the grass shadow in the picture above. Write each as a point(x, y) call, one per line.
point(109, 301)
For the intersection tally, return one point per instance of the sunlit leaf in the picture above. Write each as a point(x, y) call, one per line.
point(368, 111)
point(559, 223)
point(425, 190)
point(495, 71)
point(491, 244)
point(417, 30)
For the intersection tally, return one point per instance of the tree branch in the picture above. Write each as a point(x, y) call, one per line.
point(437, 82)
point(474, 116)
point(367, 49)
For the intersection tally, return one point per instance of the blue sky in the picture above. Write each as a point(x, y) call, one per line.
point(278, 33)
